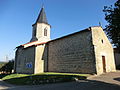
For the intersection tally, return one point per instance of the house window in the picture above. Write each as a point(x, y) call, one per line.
point(45, 32)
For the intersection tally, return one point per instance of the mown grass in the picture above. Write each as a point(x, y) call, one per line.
point(3, 75)
point(44, 78)
point(11, 76)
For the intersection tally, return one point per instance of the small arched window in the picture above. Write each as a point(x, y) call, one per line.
point(102, 40)
point(45, 32)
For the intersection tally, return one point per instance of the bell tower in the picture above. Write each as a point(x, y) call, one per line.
point(41, 28)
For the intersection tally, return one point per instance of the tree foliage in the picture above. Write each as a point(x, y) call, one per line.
point(8, 67)
point(112, 16)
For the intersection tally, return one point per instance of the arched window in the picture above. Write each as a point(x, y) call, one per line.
point(102, 40)
point(45, 32)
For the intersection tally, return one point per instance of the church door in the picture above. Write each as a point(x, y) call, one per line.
point(104, 64)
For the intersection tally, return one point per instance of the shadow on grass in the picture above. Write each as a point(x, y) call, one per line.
point(79, 85)
point(3, 75)
point(43, 79)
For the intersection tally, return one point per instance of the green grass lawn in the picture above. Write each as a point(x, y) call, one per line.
point(43, 78)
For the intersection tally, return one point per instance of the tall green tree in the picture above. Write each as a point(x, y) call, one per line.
point(112, 16)
point(8, 67)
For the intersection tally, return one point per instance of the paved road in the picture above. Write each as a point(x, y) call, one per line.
point(109, 81)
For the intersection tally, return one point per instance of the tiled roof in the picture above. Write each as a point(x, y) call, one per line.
point(29, 43)
point(34, 43)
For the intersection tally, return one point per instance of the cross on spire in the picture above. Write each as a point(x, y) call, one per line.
point(42, 3)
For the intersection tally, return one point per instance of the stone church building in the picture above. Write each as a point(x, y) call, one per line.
point(87, 51)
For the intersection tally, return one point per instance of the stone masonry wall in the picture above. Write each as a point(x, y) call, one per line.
point(25, 60)
point(73, 53)
point(39, 60)
point(102, 47)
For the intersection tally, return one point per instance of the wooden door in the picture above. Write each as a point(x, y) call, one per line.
point(104, 64)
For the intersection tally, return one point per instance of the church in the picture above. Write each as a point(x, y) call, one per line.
point(88, 51)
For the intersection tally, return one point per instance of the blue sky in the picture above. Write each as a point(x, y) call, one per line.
point(65, 17)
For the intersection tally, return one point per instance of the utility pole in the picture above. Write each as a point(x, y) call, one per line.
point(6, 58)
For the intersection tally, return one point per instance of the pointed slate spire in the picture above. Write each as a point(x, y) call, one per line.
point(42, 17)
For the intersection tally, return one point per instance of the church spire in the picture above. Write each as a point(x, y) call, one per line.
point(42, 17)
point(41, 28)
